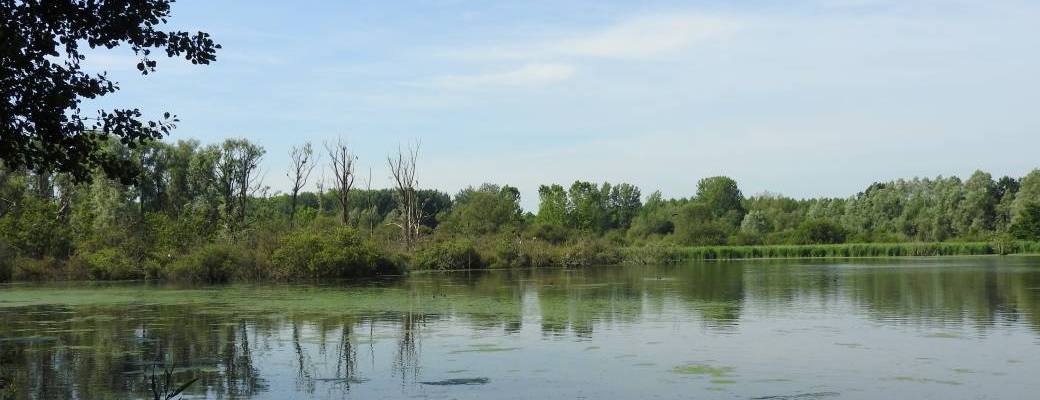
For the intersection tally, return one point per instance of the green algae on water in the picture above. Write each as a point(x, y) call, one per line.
point(703, 369)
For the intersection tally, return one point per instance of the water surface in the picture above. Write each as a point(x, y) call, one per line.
point(943, 328)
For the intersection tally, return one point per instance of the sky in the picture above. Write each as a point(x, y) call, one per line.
point(803, 98)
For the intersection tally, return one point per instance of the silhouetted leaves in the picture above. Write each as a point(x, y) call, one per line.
point(41, 124)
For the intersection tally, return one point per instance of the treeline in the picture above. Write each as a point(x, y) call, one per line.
point(203, 212)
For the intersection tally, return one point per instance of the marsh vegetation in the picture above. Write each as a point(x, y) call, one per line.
point(198, 212)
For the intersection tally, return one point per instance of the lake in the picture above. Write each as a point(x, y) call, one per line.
point(939, 328)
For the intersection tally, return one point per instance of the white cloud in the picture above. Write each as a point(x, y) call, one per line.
point(530, 74)
point(637, 37)
point(648, 36)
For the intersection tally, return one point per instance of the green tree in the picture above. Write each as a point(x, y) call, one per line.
point(624, 203)
point(978, 210)
point(755, 223)
point(723, 198)
point(553, 205)
point(1028, 193)
point(654, 218)
point(484, 210)
point(42, 127)
point(1027, 222)
point(588, 207)
point(695, 224)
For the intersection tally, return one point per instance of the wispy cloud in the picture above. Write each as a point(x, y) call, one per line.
point(648, 36)
point(530, 74)
point(636, 37)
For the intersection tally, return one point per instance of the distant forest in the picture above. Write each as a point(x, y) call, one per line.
point(202, 212)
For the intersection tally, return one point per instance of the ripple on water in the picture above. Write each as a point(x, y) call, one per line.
point(458, 381)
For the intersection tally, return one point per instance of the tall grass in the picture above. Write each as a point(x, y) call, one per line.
point(678, 254)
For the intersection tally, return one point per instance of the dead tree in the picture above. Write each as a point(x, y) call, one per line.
point(321, 194)
point(343, 163)
point(301, 163)
point(410, 213)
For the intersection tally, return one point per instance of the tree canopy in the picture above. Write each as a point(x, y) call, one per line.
point(42, 124)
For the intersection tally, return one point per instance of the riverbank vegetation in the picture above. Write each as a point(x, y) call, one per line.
point(204, 213)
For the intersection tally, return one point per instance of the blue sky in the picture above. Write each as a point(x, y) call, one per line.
point(804, 98)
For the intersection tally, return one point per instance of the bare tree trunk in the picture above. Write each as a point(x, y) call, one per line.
point(300, 167)
point(343, 163)
point(403, 171)
point(321, 194)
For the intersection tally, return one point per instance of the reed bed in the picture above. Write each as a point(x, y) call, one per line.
point(680, 254)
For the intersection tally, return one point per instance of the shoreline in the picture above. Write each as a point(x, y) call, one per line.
point(652, 255)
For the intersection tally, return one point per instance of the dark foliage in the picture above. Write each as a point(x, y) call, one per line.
point(42, 126)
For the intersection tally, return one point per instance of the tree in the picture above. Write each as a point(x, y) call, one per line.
point(409, 211)
point(301, 164)
point(1006, 189)
point(42, 126)
point(1027, 222)
point(1028, 193)
point(588, 207)
point(654, 218)
point(552, 205)
point(623, 203)
point(238, 178)
point(722, 197)
point(978, 210)
point(342, 161)
point(695, 225)
point(485, 210)
point(755, 223)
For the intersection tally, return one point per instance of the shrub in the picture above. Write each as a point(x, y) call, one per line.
point(214, 263)
point(34, 269)
point(330, 253)
point(447, 255)
point(821, 232)
point(105, 264)
point(587, 252)
point(537, 253)
point(551, 233)
point(6, 261)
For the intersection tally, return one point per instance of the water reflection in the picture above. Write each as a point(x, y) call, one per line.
point(256, 341)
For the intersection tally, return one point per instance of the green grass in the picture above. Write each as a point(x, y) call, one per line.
point(678, 254)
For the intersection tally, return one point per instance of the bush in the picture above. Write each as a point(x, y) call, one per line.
point(213, 263)
point(551, 233)
point(105, 264)
point(541, 254)
point(587, 252)
point(6, 262)
point(821, 232)
point(448, 255)
point(330, 253)
point(33, 269)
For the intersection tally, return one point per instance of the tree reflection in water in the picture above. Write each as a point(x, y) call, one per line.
point(232, 337)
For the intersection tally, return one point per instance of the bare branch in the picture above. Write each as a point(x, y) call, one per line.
point(343, 162)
